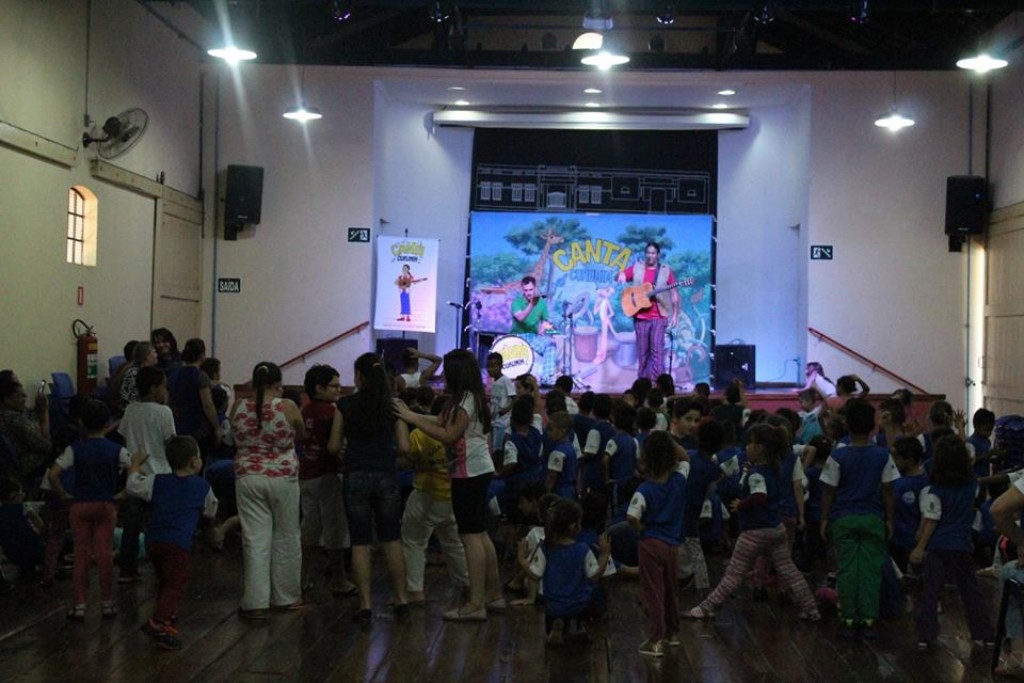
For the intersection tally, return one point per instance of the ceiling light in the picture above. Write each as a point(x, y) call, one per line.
point(894, 121)
point(341, 10)
point(303, 113)
point(593, 91)
point(231, 54)
point(455, 88)
point(588, 41)
point(726, 93)
point(592, 104)
point(439, 10)
point(720, 105)
point(605, 59)
point(765, 14)
point(982, 63)
point(860, 12)
point(461, 103)
point(667, 16)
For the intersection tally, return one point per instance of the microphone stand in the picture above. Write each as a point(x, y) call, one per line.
point(458, 321)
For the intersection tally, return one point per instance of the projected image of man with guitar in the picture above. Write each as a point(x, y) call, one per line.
point(404, 282)
point(652, 300)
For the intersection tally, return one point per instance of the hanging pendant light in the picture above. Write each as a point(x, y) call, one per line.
point(303, 112)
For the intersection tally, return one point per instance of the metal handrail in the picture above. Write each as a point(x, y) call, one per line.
point(333, 340)
point(864, 359)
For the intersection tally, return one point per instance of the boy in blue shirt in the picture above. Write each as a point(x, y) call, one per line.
point(177, 499)
point(857, 503)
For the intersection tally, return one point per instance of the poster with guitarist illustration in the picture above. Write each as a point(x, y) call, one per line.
point(406, 284)
point(575, 260)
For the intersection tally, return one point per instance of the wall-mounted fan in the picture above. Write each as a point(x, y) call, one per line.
point(120, 133)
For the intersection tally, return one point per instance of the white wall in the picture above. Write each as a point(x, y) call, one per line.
point(762, 211)
point(44, 78)
point(1006, 170)
point(302, 282)
point(893, 293)
point(423, 180)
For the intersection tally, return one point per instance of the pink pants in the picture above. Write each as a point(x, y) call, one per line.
point(93, 527)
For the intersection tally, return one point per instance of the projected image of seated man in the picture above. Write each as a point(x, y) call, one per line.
point(530, 320)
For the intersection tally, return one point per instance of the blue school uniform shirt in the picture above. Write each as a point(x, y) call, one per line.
point(526, 452)
point(952, 507)
point(760, 479)
point(561, 458)
point(857, 473)
point(177, 503)
point(730, 461)
point(621, 450)
point(98, 464)
point(907, 509)
point(597, 441)
point(661, 507)
point(703, 472)
point(581, 426)
point(566, 570)
point(981, 446)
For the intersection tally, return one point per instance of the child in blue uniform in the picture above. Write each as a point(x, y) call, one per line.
point(560, 459)
point(657, 511)
point(761, 529)
point(907, 451)
point(947, 511)
point(569, 570)
point(177, 499)
point(619, 458)
point(857, 506)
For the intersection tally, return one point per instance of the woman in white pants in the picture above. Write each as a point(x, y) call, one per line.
point(267, 488)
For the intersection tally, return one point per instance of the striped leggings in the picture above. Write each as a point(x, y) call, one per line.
point(751, 544)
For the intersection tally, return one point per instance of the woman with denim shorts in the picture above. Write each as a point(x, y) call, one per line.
point(373, 498)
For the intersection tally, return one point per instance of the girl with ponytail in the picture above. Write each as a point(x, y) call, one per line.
point(370, 487)
point(761, 530)
point(265, 428)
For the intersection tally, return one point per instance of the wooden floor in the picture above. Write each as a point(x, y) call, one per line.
point(749, 641)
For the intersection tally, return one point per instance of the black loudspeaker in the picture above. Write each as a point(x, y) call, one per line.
point(735, 361)
point(243, 197)
point(966, 199)
point(390, 350)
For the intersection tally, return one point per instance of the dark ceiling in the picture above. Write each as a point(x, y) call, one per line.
point(536, 34)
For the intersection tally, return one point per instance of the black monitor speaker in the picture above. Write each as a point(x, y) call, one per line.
point(243, 196)
point(966, 200)
point(734, 361)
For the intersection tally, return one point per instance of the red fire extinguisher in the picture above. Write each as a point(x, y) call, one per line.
point(88, 363)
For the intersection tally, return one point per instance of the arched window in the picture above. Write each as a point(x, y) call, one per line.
point(81, 235)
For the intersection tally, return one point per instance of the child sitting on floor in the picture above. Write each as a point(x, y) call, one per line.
point(560, 459)
point(569, 570)
point(177, 498)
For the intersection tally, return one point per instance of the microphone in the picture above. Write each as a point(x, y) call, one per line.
point(455, 304)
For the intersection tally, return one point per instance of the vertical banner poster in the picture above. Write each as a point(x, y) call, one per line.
point(406, 284)
point(575, 260)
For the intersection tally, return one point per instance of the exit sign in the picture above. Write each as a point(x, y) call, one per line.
point(229, 285)
point(821, 252)
point(358, 234)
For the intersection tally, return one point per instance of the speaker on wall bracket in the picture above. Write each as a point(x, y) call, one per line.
point(966, 205)
point(243, 198)
point(735, 361)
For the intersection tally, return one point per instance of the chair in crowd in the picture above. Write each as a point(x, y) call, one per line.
point(63, 389)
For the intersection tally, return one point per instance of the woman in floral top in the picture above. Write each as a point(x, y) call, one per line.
point(265, 429)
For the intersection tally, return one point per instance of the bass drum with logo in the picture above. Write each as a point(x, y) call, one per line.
point(516, 355)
